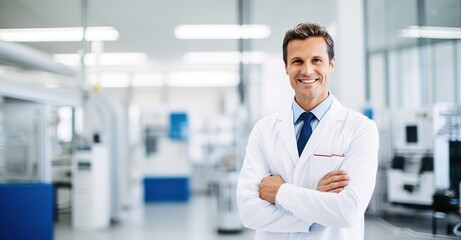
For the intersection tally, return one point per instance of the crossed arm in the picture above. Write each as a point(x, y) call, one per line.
point(334, 181)
point(257, 190)
point(261, 213)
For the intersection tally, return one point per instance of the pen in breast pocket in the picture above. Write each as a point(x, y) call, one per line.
point(329, 155)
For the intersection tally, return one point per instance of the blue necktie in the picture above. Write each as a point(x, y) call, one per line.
point(306, 130)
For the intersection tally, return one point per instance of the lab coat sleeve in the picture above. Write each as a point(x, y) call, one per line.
point(346, 208)
point(256, 213)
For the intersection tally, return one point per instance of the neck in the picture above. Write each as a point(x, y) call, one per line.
point(309, 103)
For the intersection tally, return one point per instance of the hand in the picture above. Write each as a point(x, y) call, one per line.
point(269, 187)
point(334, 181)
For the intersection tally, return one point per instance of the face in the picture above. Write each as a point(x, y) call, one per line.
point(309, 68)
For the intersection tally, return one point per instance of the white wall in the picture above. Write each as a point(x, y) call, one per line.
point(276, 91)
point(348, 84)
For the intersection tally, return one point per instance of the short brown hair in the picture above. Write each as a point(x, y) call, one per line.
point(307, 30)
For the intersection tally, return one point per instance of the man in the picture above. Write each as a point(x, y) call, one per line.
point(290, 191)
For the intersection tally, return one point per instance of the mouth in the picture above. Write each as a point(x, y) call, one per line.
point(308, 81)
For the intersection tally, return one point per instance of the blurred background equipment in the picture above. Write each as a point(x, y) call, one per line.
point(91, 185)
point(411, 173)
point(26, 190)
point(447, 133)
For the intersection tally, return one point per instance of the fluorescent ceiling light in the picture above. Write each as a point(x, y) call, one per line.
point(431, 32)
point(202, 79)
point(147, 80)
point(223, 57)
point(69, 34)
point(106, 59)
point(67, 59)
point(228, 31)
point(123, 79)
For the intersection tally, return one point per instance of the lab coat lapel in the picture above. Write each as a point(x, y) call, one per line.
point(324, 129)
point(287, 132)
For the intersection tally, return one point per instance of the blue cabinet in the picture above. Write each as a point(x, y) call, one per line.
point(26, 211)
point(166, 189)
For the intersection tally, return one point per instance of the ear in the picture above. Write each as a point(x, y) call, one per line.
point(286, 69)
point(332, 64)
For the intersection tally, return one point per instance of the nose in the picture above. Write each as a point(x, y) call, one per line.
point(307, 68)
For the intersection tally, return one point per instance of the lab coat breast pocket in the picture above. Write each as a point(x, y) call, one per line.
point(321, 164)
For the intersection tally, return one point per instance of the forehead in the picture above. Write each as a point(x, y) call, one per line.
point(313, 46)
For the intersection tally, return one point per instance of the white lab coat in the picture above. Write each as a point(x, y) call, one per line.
point(343, 139)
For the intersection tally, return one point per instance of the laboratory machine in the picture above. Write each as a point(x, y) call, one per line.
point(26, 191)
point(447, 151)
point(410, 176)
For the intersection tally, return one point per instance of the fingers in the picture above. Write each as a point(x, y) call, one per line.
point(273, 179)
point(333, 187)
point(336, 178)
point(335, 174)
point(334, 181)
point(337, 185)
point(269, 187)
point(337, 190)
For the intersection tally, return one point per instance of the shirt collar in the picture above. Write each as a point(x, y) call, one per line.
point(319, 111)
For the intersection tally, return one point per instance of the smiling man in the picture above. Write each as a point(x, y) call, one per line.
point(309, 171)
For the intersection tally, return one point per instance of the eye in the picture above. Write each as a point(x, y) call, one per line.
point(296, 61)
point(316, 60)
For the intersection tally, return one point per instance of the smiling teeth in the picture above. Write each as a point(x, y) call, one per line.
point(308, 81)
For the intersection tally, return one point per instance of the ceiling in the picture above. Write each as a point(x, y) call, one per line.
point(148, 25)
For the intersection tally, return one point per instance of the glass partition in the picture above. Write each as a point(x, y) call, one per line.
point(23, 151)
point(418, 69)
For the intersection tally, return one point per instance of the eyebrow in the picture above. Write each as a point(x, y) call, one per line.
point(302, 58)
point(318, 56)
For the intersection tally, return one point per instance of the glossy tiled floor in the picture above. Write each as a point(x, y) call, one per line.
point(196, 220)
